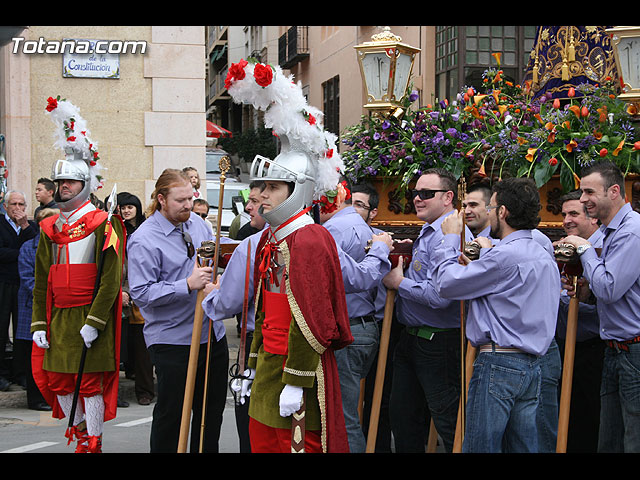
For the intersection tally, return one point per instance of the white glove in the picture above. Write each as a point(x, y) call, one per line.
point(290, 400)
point(89, 334)
point(40, 338)
point(244, 385)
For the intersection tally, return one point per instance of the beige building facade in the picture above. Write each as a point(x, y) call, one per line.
point(149, 118)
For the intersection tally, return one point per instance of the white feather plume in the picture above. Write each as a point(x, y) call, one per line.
point(288, 113)
point(71, 132)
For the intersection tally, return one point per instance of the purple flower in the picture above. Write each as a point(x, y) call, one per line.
point(452, 132)
point(413, 96)
point(385, 124)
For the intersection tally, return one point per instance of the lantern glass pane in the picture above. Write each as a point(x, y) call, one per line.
point(403, 70)
point(629, 55)
point(376, 73)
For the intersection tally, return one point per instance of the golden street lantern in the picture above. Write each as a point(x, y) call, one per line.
point(385, 65)
point(626, 49)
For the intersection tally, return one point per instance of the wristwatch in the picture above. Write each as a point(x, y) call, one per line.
point(582, 248)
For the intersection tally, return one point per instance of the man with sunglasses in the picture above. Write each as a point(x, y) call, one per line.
point(201, 208)
point(513, 291)
point(164, 278)
point(426, 364)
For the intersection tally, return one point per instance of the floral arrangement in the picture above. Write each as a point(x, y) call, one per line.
point(499, 132)
point(72, 135)
point(288, 114)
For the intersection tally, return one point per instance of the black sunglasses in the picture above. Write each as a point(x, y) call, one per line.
point(425, 194)
point(189, 242)
point(203, 215)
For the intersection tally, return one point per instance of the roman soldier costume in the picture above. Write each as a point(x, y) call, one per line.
point(301, 312)
point(77, 293)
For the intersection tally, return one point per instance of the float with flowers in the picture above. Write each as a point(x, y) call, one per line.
point(494, 133)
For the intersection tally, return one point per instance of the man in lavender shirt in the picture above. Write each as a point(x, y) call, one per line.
point(351, 234)
point(164, 278)
point(426, 359)
point(614, 279)
point(513, 291)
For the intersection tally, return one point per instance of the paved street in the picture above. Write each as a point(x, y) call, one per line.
point(24, 430)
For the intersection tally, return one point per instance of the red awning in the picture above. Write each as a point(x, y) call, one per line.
point(217, 131)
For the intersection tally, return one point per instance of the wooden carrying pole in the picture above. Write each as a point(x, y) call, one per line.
point(380, 371)
point(459, 436)
point(567, 371)
point(198, 318)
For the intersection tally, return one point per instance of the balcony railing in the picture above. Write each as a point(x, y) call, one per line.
point(293, 46)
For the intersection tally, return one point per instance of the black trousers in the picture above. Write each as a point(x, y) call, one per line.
point(171, 363)
point(242, 410)
point(584, 414)
point(22, 355)
point(8, 309)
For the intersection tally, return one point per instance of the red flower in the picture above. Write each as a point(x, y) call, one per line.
point(329, 153)
point(311, 119)
point(52, 104)
point(92, 163)
point(71, 139)
point(263, 74)
point(236, 72)
point(603, 152)
point(553, 161)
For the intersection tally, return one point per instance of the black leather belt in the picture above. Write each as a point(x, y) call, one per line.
point(361, 320)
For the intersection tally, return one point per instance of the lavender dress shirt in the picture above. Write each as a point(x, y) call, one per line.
point(158, 271)
point(614, 276)
point(351, 234)
point(418, 303)
point(513, 291)
point(229, 298)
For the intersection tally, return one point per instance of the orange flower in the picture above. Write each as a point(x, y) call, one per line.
point(603, 114)
point(571, 145)
point(576, 110)
point(497, 57)
point(571, 92)
point(616, 151)
point(481, 172)
point(636, 146)
point(522, 141)
point(597, 135)
point(530, 153)
point(576, 181)
point(496, 95)
point(537, 115)
point(584, 112)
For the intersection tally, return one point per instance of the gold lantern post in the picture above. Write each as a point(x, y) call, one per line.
point(625, 42)
point(385, 65)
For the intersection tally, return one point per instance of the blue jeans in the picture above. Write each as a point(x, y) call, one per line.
point(354, 363)
point(620, 401)
point(426, 374)
point(547, 415)
point(502, 403)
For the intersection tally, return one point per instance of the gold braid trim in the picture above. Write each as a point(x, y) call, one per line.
point(322, 402)
point(295, 309)
point(299, 373)
point(96, 319)
point(306, 331)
